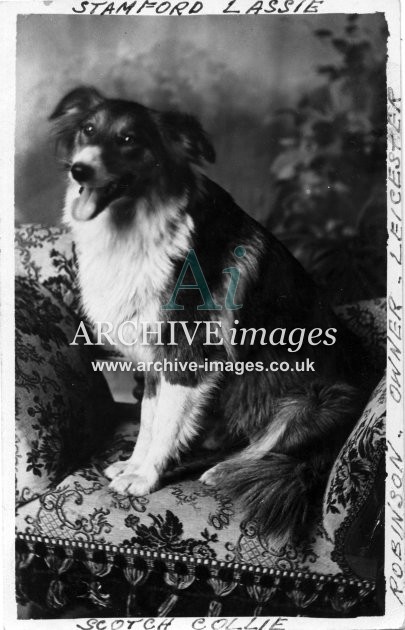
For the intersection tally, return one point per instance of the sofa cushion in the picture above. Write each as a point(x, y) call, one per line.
point(62, 406)
point(354, 474)
point(368, 320)
point(184, 516)
point(87, 501)
point(348, 496)
point(183, 537)
point(47, 256)
point(74, 528)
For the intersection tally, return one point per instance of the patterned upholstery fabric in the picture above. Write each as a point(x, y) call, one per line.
point(368, 320)
point(185, 536)
point(46, 255)
point(62, 406)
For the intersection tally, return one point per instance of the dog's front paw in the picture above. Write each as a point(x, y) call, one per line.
point(134, 483)
point(115, 469)
point(210, 477)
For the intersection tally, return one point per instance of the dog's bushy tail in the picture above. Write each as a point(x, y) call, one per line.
point(279, 487)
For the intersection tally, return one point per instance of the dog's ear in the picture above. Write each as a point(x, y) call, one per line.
point(77, 102)
point(186, 137)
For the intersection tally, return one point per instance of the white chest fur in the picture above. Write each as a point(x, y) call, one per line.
point(123, 270)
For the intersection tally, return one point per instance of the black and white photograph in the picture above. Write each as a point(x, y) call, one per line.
point(202, 354)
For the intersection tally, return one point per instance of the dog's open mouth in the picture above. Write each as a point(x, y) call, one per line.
point(93, 200)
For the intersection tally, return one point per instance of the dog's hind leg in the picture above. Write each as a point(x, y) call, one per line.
point(258, 447)
point(175, 424)
point(281, 475)
point(148, 410)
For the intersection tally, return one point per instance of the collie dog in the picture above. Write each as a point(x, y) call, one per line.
point(138, 203)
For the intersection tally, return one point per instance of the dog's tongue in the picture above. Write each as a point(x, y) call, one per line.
point(86, 205)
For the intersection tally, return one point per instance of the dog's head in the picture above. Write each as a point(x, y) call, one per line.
point(118, 150)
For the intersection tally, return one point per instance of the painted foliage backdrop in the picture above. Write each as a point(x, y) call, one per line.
point(294, 105)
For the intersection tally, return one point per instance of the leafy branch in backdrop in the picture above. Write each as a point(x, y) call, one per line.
point(330, 176)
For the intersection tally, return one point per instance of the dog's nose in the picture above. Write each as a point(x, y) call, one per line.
point(81, 172)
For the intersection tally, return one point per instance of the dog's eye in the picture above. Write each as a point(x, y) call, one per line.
point(89, 129)
point(126, 139)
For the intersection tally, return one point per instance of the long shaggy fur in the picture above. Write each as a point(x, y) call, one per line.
point(137, 202)
point(281, 488)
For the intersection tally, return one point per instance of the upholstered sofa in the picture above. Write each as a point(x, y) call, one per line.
point(184, 550)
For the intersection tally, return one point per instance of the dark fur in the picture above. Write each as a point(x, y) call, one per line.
point(280, 487)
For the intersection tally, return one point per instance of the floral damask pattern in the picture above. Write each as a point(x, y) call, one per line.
point(61, 405)
point(292, 556)
point(56, 519)
point(368, 321)
point(357, 461)
point(183, 517)
point(221, 517)
point(46, 255)
point(60, 470)
point(167, 533)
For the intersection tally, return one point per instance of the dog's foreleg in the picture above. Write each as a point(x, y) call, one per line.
point(148, 410)
point(175, 423)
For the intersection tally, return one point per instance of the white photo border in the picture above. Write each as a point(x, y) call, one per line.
point(394, 528)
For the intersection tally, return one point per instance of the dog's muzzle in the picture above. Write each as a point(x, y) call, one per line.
point(81, 172)
point(94, 199)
